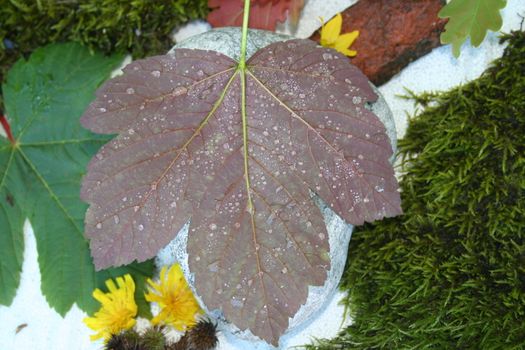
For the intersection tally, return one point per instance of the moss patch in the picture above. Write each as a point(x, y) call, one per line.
point(450, 273)
point(142, 27)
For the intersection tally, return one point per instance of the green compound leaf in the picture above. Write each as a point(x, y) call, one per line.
point(470, 18)
point(42, 171)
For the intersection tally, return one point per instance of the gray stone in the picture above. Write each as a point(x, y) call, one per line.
point(227, 41)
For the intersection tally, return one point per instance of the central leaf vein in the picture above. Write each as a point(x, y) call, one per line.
point(50, 190)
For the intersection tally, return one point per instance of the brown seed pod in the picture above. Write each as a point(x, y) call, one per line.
point(203, 336)
point(128, 340)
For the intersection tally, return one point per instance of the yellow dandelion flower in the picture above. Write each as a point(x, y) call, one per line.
point(331, 36)
point(178, 306)
point(117, 311)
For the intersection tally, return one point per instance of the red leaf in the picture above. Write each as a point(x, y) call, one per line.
point(264, 14)
point(256, 240)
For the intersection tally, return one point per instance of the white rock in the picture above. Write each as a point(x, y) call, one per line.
point(227, 41)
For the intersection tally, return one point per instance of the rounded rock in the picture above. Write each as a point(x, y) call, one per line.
point(227, 41)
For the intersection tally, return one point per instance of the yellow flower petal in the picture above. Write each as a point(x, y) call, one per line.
point(100, 296)
point(95, 337)
point(118, 309)
point(346, 40)
point(153, 284)
point(331, 30)
point(178, 306)
point(331, 36)
point(111, 286)
point(349, 53)
point(154, 298)
point(163, 273)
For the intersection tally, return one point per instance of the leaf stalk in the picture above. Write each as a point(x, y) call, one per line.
point(244, 38)
point(7, 128)
point(242, 73)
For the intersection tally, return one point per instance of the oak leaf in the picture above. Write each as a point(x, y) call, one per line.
point(470, 18)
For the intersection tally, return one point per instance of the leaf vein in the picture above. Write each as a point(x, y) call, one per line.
point(51, 192)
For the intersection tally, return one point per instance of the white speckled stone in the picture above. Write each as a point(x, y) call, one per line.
point(227, 41)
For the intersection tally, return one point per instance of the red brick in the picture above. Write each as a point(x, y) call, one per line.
point(393, 33)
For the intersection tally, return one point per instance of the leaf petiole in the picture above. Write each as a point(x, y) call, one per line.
point(242, 72)
point(244, 38)
point(7, 128)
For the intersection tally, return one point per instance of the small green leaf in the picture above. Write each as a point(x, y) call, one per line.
point(44, 99)
point(470, 18)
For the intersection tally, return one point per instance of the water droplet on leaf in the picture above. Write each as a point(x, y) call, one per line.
point(327, 56)
point(180, 90)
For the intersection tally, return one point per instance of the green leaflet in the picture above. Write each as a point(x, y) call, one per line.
point(44, 98)
point(470, 18)
point(11, 234)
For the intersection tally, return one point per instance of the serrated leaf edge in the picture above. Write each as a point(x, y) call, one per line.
point(458, 41)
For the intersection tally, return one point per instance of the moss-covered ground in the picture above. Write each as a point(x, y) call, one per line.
point(450, 272)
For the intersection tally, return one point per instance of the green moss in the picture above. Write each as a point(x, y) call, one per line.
point(450, 272)
point(142, 27)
